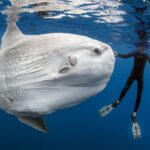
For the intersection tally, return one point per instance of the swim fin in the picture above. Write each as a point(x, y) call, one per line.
point(104, 111)
point(136, 131)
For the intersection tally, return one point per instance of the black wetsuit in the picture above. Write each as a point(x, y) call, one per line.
point(137, 73)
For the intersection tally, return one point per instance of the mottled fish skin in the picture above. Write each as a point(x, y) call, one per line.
point(37, 79)
point(40, 74)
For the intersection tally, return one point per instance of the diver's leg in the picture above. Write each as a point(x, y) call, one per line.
point(135, 126)
point(124, 91)
point(139, 94)
point(108, 108)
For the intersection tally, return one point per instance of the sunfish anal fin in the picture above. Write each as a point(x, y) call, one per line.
point(37, 123)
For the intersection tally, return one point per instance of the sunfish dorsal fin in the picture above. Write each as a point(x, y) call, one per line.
point(12, 33)
point(37, 123)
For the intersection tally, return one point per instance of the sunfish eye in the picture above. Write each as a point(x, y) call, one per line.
point(72, 60)
point(97, 51)
point(64, 68)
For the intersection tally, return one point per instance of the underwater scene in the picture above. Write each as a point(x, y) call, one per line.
point(74, 74)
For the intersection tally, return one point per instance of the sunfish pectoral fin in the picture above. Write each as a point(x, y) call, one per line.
point(37, 123)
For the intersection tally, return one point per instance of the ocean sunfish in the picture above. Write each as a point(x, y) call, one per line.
point(40, 74)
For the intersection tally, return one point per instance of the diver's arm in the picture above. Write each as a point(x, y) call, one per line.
point(131, 54)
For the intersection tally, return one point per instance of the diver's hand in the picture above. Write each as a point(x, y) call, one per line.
point(115, 53)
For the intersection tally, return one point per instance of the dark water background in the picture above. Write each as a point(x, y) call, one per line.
point(80, 127)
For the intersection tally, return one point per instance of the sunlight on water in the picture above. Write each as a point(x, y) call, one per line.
point(116, 15)
point(105, 10)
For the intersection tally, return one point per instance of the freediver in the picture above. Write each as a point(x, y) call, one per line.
point(137, 73)
point(140, 58)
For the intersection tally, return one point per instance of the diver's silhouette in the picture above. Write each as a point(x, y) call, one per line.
point(140, 59)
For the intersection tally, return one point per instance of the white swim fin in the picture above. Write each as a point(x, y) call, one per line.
point(104, 111)
point(136, 130)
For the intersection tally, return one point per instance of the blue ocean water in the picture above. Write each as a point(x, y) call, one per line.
point(80, 127)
